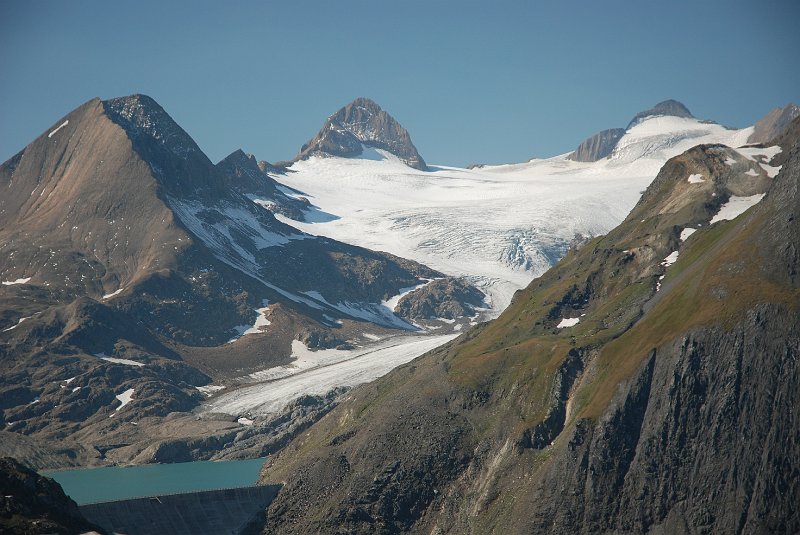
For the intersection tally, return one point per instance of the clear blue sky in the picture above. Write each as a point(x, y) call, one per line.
point(486, 81)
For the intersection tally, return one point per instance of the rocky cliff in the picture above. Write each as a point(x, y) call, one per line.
point(597, 146)
point(32, 504)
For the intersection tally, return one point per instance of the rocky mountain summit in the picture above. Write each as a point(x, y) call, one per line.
point(645, 384)
point(362, 123)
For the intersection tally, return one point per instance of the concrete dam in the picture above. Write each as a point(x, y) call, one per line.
point(210, 512)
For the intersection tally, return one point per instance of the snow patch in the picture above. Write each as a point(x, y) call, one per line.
point(685, 233)
point(751, 172)
point(114, 360)
point(124, 399)
point(65, 123)
point(736, 206)
point(670, 259)
point(568, 322)
point(112, 294)
point(258, 326)
point(18, 281)
point(392, 302)
point(209, 390)
point(772, 171)
point(17, 324)
point(244, 421)
point(696, 179)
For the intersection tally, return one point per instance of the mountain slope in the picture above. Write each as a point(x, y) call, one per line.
point(362, 122)
point(646, 383)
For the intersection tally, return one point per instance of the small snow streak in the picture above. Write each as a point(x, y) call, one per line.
point(18, 281)
point(65, 123)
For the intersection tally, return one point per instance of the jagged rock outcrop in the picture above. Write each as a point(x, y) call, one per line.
point(449, 298)
point(774, 124)
point(670, 406)
point(243, 174)
point(597, 146)
point(33, 504)
point(362, 122)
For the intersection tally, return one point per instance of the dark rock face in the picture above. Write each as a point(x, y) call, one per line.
point(243, 174)
point(774, 124)
point(598, 146)
point(362, 122)
point(667, 107)
point(32, 504)
point(699, 432)
point(448, 298)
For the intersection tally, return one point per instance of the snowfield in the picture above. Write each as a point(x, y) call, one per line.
point(499, 226)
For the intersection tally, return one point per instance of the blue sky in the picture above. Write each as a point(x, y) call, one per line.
point(490, 82)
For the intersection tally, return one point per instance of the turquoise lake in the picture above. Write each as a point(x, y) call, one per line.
point(91, 485)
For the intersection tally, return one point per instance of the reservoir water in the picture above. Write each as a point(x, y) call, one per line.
point(92, 485)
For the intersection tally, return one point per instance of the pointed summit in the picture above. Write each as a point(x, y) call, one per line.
point(362, 122)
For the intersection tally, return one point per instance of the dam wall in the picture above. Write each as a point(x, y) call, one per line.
point(211, 512)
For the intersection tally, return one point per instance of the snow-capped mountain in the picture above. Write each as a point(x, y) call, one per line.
point(500, 225)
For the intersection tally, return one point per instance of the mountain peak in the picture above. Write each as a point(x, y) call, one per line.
point(362, 122)
point(667, 107)
point(774, 123)
point(140, 115)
